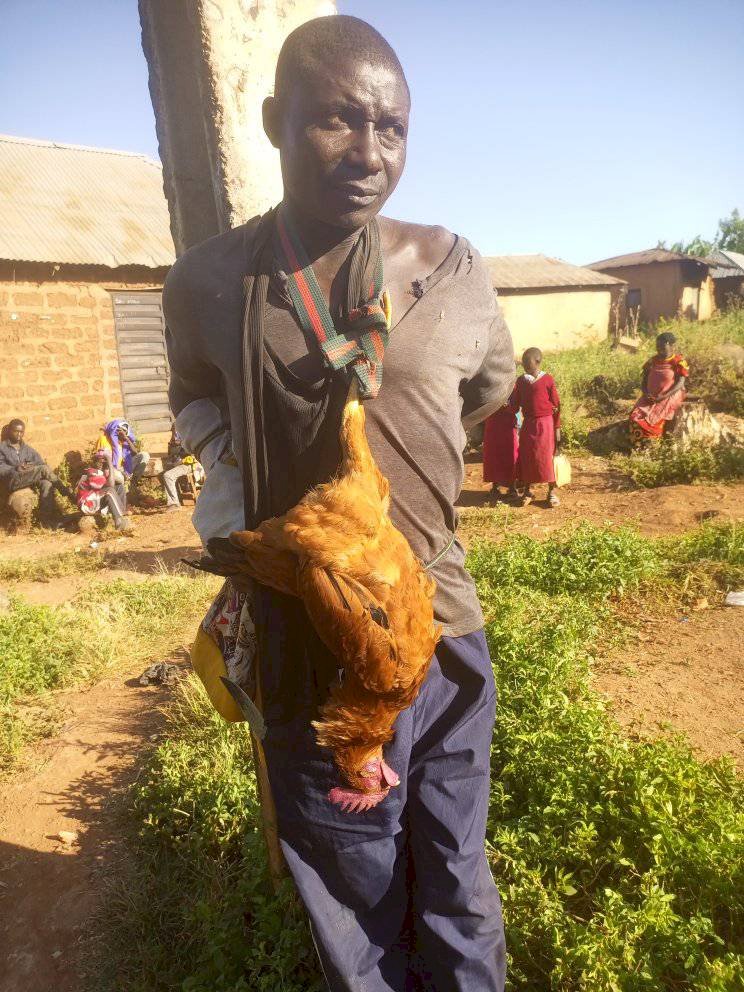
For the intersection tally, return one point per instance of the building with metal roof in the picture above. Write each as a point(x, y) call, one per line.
point(727, 273)
point(551, 304)
point(85, 245)
point(72, 205)
point(663, 283)
point(541, 272)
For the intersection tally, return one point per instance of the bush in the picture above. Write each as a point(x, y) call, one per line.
point(593, 378)
point(619, 863)
point(587, 560)
point(196, 911)
point(666, 465)
point(49, 647)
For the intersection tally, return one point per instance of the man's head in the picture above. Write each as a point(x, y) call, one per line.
point(665, 344)
point(532, 360)
point(122, 430)
point(339, 117)
point(15, 430)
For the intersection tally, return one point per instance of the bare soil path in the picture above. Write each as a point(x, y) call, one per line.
point(50, 889)
point(684, 673)
point(599, 495)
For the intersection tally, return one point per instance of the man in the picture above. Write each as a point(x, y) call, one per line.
point(175, 469)
point(23, 472)
point(400, 897)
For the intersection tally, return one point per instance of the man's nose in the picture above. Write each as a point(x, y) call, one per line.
point(365, 150)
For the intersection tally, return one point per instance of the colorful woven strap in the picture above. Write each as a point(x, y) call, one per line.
point(361, 341)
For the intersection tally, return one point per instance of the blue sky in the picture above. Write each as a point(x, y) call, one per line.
point(576, 129)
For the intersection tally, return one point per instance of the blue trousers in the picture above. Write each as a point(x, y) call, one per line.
point(401, 898)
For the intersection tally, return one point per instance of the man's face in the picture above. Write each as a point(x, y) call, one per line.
point(16, 432)
point(342, 140)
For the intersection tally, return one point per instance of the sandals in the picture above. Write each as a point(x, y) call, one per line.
point(553, 500)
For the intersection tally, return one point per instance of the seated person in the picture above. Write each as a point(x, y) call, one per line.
point(177, 465)
point(664, 388)
point(118, 439)
point(24, 471)
point(97, 491)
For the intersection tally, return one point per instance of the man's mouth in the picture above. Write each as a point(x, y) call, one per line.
point(357, 193)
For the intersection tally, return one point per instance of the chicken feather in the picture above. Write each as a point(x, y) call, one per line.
point(369, 599)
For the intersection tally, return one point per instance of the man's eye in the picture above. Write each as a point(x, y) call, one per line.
point(393, 131)
point(335, 123)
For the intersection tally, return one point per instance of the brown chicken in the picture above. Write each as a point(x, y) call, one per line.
point(368, 597)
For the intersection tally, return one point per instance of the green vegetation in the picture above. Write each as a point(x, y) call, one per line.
point(729, 236)
point(595, 380)
point(45, 647)
point(620, 863)
point(51, 566)
point(664, 465)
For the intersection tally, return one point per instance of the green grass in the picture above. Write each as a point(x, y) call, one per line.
point(51, 566)
point(43, 648)
point(592, 378)
point(620, 863)
point(665, 465)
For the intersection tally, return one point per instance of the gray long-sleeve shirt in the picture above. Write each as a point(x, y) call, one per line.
point(449, 358)
point(12, 457)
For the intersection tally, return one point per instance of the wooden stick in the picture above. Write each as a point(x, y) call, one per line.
point(277, 865)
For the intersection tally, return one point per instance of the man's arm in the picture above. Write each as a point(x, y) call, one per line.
point(30, 456)
point(192, 377)
point(7, 467)
point(493, 383)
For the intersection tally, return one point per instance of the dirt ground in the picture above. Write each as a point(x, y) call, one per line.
point(167, 536)
point(599, 495)
point(50, 889)
point(682, 674)
point(685, 672)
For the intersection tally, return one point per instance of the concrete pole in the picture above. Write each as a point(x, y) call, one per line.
point(211, 63)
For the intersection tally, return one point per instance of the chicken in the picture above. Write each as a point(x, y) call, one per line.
point(369, 599)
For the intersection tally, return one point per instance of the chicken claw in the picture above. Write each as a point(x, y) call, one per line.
point(352, 801)
point(380, 777)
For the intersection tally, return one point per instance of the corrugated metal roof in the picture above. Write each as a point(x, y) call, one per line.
point(541, 272)
point(736, 257)
point(724, 266)
point(644, 258)
point(81, 206)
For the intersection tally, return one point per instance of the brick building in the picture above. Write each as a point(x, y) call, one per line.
point(84, 248)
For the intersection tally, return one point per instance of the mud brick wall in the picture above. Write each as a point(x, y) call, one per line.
point(59, 369)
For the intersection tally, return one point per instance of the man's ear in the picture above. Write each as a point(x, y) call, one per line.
point(271, 121)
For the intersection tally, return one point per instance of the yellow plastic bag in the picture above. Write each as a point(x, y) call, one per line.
point(209, 665)
point(562, 469)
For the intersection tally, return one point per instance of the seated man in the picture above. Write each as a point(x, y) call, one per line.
point(175, 469)
point(118, 439)
point(23, 473)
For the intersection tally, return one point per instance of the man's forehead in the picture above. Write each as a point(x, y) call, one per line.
point(354, 80)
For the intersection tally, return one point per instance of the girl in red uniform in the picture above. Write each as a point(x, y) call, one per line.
point(537, 396)
point(664, 382)
point(500, 451)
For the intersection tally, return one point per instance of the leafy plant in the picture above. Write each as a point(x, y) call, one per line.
point(666, 465)
point(619, 863)
point(43, 648)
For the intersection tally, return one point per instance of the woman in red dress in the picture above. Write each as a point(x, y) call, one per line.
point(664, 389)
point(500, 450)
point(536, 395)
